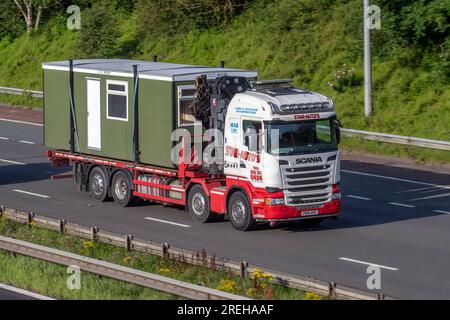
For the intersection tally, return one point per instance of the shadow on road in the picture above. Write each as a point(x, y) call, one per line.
point(15, 174)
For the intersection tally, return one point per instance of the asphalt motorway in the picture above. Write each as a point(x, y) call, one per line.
point(9, 295)
point(396, 218)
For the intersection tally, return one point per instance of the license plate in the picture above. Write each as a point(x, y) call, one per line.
point(310, 213)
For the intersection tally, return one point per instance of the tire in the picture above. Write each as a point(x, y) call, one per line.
point(240, 212)
point(121, 189)
point(198, 205)
point(311, 223)
point(98, 184)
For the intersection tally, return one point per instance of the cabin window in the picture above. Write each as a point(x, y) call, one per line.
point(117, 100)
point(185, 98)
point(252, 131)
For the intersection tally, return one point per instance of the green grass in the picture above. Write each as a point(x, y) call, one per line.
point(21, 101)
point(50, 279)
point(308, 42)
point(419, 155)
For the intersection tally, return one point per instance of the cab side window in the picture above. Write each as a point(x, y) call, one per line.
point(252, 131)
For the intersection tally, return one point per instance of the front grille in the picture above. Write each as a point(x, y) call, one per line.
point(308, 186)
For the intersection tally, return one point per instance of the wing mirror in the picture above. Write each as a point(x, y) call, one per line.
point(337, 127)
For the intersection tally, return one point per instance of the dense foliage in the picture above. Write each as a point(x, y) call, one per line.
point(318, 43)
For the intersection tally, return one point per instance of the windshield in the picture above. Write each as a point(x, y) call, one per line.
point(293, 138)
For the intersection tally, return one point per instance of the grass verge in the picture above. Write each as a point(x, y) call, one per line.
point(50, 279)
point(418, 154)
point(21, 101)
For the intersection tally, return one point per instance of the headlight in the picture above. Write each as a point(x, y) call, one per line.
point(336, 196)
point(274, 201)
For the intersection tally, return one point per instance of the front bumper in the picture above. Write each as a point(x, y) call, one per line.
point(284, 213)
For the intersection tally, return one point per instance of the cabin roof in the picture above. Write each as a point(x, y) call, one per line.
point(146, 69)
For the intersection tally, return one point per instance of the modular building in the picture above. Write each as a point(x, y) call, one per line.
point(113, 104)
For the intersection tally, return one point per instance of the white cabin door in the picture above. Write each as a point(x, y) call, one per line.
point(94, 137)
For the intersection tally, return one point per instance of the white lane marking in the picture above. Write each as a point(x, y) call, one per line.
point(32, 194)
point(401, 205)
point(169, 222)
point(26, 142)
point(358, 197)
point(22, 122)
point(432, 197)
point(368, 264)
point(24, 292)
point(397, 179)
point(12, 162)
point(441, 211)
point(4, 138)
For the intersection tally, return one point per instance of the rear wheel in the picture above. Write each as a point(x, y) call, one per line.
point(198, 205)
point(121, 189)
point(98, 184)
point(240, 212)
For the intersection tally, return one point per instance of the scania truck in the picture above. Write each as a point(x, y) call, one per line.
point(269, 154)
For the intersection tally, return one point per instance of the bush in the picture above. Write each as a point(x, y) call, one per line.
point(99, 32)
point(169, 17)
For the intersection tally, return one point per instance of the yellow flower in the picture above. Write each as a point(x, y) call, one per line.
point(260, 274)
point(126, 260)
point(252, 292)
point(313, 296)
point(88, 244)
point(164, 270)
point(227, 285)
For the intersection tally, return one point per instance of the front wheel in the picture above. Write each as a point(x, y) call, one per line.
point(121, 189)
point(240, 212)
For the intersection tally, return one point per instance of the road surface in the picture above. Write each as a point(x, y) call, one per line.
point(393, 217)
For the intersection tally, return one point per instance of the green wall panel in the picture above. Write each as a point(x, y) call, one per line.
point(156, 121)
point(56, 110)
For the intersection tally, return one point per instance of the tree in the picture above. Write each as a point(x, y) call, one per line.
point(11, 24)
point(31, 11)
point(99, 34)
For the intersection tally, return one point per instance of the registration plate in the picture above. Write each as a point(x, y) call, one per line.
point(310, 213)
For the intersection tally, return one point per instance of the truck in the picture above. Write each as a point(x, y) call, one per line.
point(218, 141)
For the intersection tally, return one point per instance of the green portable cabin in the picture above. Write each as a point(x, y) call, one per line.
point(104, 106)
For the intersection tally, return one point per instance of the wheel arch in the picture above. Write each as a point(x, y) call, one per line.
point(232, 191)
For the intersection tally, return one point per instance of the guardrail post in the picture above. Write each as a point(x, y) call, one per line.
point(62, 225)
point(129, 240)
point(244, 266)
point(94, 233)
point(331, 288)
point(30, 219)
point(165, 250)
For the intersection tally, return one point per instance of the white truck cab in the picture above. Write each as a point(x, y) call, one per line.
point(283, 141)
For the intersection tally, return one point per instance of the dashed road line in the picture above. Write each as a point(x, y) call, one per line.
point(4, 138)
point(441, 211)
point(26, 142)
point(401, 205)
point(169, 222)
point(368, 263)
point(12, 162)
point(358, 197)
point(396, 179)
point(22, 122)
point(32, 194)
